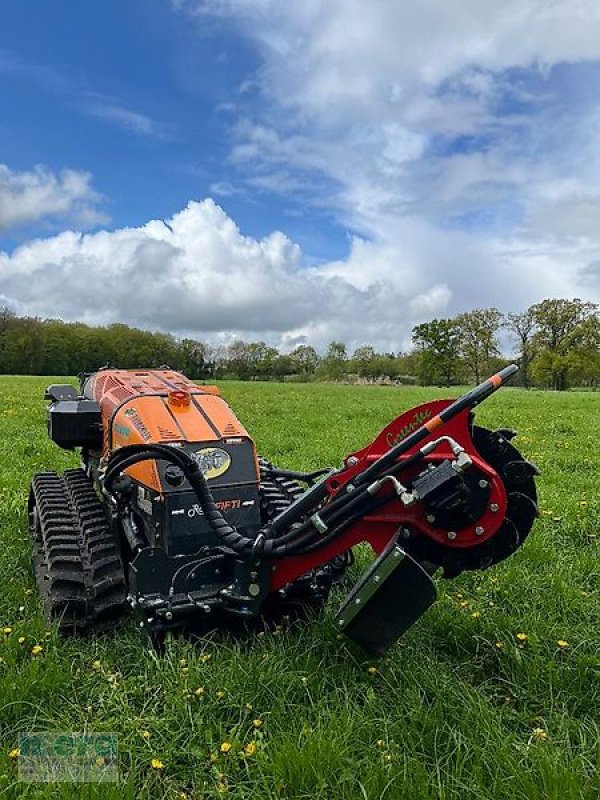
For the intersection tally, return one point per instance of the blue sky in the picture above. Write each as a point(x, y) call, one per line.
point(133, 94)
point(326, 169)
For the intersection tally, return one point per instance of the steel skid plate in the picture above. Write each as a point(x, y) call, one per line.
point(391, 595)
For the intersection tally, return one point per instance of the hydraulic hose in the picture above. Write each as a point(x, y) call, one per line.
point(338, 508)
point(132, 454)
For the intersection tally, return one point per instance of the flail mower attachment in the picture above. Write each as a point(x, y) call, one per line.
point(173, 515)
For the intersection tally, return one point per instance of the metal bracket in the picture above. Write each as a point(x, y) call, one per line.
point(319, 523)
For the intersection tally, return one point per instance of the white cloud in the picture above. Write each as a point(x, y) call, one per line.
point(40, 195)
point(109, 110)
point(198, 274)
point(438, 132)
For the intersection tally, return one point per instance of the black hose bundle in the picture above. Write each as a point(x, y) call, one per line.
point(132, 454)
point(302, 538)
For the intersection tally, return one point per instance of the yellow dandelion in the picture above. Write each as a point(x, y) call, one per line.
point(96, 664)
point(36, 649)
point(380, 743)
point(219, 694)
point(476, 614)
point(222, 787)
point(464, 604)
point(7, 630)
point(14, 753)
point(21, 639)
point(213, 758)
point(156, 763)
point(206, 657)
point(250, 748)
point(522, 637)
point(387, 757)
point(184, 670)
point(258, 723)
point(499, 645)
point(1, 660)
point(248, 706)
point(372, 670)
point(100, 761)
point(199, 691)
point(562, 644)
point(225, 747)
point(182, 662)
point(145, 735)
point(539, 735)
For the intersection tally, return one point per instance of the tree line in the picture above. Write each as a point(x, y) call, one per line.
point(557, 343)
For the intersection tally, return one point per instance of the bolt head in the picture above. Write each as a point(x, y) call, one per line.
point(483, 484)
point(430, 518)
point(352, 461)
point(451, 535)
point(479, 531)
point(494, 507)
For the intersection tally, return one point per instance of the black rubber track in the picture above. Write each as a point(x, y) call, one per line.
point(77, 562)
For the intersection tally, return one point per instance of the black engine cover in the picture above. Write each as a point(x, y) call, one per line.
point(75, 423)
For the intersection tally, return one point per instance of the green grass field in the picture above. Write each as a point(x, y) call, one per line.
point(463, 707)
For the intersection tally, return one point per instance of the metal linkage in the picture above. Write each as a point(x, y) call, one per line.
point(407, 497)
point(462, 461)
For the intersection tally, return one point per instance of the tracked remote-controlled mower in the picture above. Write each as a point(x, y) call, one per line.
point(173, 514)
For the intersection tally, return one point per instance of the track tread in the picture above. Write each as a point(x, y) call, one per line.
point(77, 562)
